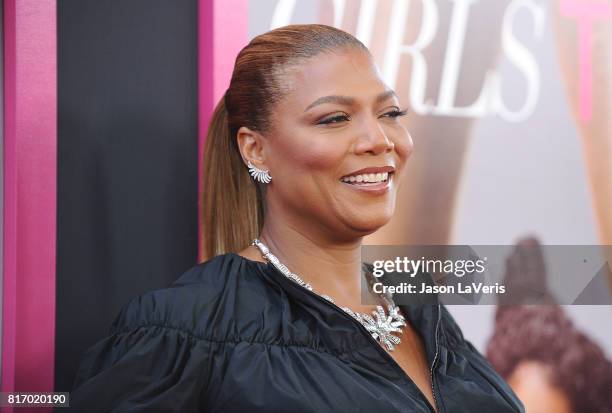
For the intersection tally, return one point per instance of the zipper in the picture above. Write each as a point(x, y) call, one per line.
point(379, 348)
point(433, 363)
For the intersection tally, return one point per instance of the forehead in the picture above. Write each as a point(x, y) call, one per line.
point(349, 72)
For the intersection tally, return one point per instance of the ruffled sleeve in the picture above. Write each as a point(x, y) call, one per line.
point(144, 365)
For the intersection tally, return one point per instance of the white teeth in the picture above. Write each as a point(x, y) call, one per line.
point(369, 178)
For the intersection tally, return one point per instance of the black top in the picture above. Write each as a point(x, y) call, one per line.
point(235, 335)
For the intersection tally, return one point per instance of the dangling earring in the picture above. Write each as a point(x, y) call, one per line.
point(259, 174)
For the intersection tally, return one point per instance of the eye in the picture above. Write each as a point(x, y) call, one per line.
point(334, 119)
point(396, 113)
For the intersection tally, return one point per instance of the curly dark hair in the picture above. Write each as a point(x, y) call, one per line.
point(544, 334)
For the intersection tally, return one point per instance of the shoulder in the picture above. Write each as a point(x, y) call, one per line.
point(206, 294)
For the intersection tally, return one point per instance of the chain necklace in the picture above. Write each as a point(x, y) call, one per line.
point(381, 326)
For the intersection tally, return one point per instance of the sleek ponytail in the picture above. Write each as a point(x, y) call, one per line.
point(232, 204)
point(232, 214)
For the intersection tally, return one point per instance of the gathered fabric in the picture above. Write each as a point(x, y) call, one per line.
point(235, 335)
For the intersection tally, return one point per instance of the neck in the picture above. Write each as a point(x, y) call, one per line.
point(332, 267)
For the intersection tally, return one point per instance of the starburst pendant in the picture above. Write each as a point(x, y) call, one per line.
point(381, 326)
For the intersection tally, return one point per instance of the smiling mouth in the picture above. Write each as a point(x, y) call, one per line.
point(366, 180)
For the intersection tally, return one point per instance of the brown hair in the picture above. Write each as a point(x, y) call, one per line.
point(544, 334)
point(232, 207)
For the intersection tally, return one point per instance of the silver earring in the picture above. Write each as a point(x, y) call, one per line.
point(259, 174)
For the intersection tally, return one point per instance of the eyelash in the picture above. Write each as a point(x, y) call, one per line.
point(391, 114)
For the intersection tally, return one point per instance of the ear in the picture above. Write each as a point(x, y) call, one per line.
point(252, 147)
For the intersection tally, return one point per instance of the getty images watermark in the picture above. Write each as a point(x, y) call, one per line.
point(488, 274)
point(411, 268)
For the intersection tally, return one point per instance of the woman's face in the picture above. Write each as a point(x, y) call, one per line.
point(336, 147)
point(531, 383)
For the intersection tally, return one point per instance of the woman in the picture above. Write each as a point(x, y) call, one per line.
point(303, 158)
point(549, 363)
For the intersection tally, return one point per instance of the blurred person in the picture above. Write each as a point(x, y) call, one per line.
point(552, 367)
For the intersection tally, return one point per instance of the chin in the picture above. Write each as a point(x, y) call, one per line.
point(370, 224)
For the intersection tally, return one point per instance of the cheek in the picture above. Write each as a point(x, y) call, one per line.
point(403, 145)
point(315, 155)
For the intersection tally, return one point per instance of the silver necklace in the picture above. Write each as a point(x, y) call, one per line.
point(381, 326)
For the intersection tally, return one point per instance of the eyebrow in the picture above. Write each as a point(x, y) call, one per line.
point(347, 100)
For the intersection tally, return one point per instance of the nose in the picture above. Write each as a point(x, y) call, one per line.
point(373, 139)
